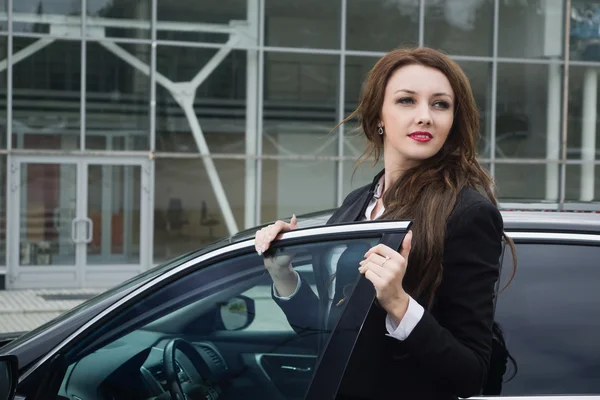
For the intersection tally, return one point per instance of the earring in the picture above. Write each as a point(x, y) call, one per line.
point(380, 130)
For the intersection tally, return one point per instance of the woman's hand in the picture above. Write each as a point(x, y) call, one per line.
point(385, 268)
point(279, 266)
point(264, 237)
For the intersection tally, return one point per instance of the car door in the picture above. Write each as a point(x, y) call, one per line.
point(242, 343)
point(550, 316)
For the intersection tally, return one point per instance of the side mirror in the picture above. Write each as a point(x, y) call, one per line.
point(237, 313)
point(9, 377)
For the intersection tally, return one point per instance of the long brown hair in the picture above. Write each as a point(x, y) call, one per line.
point(427, 193)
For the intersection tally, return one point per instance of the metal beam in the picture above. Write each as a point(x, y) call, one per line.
point(26, 52)
point(57, 19)
point(136, 63)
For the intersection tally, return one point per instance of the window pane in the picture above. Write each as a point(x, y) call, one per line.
point(187, 213)
point(56, 10)
point(219, 104)
point(113, 206)
point(287, 183)
point(357, 69)
point(479, 74)
point(189, 16)
point(131, 19)
point(522, 182)
point(462, 27)
point(47, 96)
point(582, 142)
point(310, 23)
point(3, 17)
point(582, 183)
point(531, 29)
point(300, 100)
point(528, 112)
point(232, 299)
point(117, 99)
point(376, 25)
point(584, 32)
point(553, 338)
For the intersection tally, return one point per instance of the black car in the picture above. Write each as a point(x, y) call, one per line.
point(204, 326)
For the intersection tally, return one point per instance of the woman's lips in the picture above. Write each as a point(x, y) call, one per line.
point(421, 136)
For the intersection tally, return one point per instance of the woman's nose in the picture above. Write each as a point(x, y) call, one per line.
point(424, 117)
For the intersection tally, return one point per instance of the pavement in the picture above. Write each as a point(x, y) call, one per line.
point(24, 310)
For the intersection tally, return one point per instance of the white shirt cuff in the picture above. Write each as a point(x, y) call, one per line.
point(413, 315)
point(291, 295)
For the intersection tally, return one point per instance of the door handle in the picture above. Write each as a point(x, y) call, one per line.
point(74, 230)
point(89, 234)
point(299, 369)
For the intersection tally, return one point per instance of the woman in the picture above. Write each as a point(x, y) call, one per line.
point(437, 294)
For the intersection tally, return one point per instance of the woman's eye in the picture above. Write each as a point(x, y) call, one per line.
point(405, 100)
point(441, 104)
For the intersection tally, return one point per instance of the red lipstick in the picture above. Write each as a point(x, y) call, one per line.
point(420, 136)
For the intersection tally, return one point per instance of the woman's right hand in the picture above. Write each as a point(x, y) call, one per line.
point(264, 237)
point(279, 266)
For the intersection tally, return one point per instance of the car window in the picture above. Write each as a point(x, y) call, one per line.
point(550, 315)
point(219, 332)
point(108, 295)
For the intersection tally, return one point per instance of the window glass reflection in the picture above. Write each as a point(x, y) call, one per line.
point(528, 110)
point(585, 30)
point(300, 104)
point(286, 184)
point(552, 338)
point(47, 96)
point(187, 213)
point(117, 98)
point(461, 27)
point(132, 18)
point(192, 15)
point(531, 29)
point(522, 182)
point(379, 25)
point(582, 183)
point(310, 23)
point(45, 13)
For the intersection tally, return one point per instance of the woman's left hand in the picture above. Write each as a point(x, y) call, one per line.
point(385, 268)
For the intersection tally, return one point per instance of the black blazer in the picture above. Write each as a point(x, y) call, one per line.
point(447, 354)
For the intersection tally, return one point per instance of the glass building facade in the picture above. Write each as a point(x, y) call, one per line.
point(135, 130)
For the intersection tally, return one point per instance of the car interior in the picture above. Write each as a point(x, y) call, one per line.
point(217, 337)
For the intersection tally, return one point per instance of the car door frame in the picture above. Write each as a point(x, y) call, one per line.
point(390, 233)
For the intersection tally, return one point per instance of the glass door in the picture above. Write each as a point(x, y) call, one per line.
point(79, 223)
point(116, 205)
point(45, 223)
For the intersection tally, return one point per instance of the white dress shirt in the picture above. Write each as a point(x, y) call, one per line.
point(415, 311)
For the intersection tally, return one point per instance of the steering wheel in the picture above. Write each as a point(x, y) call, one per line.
point(197, 370)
